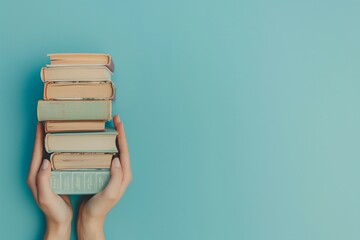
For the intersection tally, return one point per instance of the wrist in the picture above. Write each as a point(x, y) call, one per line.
point(90, 228)
point(57, 231)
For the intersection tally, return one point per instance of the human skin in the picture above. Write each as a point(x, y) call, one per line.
point(92, 213)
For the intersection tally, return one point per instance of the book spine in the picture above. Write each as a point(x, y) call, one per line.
point(46, 127)
point(79, 182)
point(74, 110)
point(113, 91)
point(42, 74)
point(52, 161)
point(46, 146)
point(110, 64)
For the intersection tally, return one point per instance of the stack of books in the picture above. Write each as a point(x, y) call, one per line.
point(78, 94)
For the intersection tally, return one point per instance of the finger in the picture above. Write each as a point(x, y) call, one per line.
point(45, 194)
point(36, 159)
point(112, 190)
point(116, 175)
point(122, 143)
point(103, 202)
point(38, 151)
point(123, 147)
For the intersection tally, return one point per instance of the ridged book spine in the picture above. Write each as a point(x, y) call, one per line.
point(73, 110)
point(79, 182)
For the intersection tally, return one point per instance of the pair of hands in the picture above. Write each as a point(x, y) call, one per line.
point(92, 212)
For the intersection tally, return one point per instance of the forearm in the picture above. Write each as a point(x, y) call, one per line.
point(89, 228)
point(57, 231)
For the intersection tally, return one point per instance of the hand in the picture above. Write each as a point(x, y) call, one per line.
point(57, 209)
point(92, 213)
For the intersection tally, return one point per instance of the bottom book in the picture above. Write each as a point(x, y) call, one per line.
point(79, 182)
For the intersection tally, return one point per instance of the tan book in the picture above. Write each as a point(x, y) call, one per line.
point(66, 59)
point(75, 74)
point(75, 161)
point(86, 142)
point(74, 126)
point(79, 90)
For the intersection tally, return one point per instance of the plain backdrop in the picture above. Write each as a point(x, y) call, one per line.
point(242, 116)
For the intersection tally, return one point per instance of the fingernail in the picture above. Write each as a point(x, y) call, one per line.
point(117, 162)
point(45, 164)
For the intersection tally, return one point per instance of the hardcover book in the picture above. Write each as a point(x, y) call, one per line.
point(68, 59)
point(82, 142)
point(80, 90)
point(79, 182)
point(74, 126)
point(74, 110)
point(76, 161)
point(75, 74)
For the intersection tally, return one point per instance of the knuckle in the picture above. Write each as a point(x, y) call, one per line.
point(29, 182)
point(111, 196)
point(42, 201)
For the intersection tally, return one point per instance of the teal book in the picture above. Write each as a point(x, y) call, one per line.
point(89, 142)
point(74, 110)
point(79, 182)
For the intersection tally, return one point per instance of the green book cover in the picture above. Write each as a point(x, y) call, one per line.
point(79, 181)
point(74, 110)
point(104, 142)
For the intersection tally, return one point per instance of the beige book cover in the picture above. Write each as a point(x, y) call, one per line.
point(75, 161)
point(67, 59)
point(89, 73)
point(101, 142)
point(79, 90)
point(74, 126)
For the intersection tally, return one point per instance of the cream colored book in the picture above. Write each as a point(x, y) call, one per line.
point(79, 90)
point(67, 59)
point(100, 142)
point(76, 161)
point(75, 74)
point(74, 126)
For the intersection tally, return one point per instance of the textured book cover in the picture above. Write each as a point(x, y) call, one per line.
point(79, 91)
point(74, 126)
point(74, 110)
point(81, 59)
point(79, 182)
point(76, 161)
point(75, 74)
point(82, 142)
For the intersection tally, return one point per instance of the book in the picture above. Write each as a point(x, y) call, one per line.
point(75, 74)
point(79, 90)
point(74, 110)
point(74, 126)
point(73, 161)
point(82, 142)
point(79, 181)
point(66, 59)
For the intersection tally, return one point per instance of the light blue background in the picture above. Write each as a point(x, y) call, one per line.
point(242, 116)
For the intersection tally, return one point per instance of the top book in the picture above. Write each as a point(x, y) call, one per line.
point(78, 59)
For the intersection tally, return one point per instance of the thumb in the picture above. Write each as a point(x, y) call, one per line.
point(43, 183)
point(104, 201)
point(116, 175)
